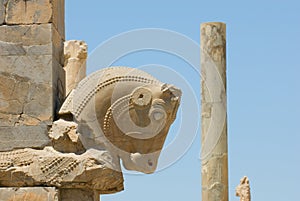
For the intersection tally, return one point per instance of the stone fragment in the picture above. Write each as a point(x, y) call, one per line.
point(75, 63)
point(29, 194)
point(65, 137)
point(243, 190)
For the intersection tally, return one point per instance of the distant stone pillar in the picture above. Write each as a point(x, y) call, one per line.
point(214, 154)
point(75, 63)
point(243, 189)
point(31, 71)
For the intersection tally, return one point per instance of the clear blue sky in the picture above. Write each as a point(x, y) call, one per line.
point(263, 88)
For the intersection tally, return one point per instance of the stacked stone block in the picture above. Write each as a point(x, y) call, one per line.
point(32, 80)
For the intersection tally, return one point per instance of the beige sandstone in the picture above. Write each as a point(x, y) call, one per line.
point(78, 194)
point(214, 115)
point(28, 12)
point(2, 11)
point(31, 84)
point(75, 63)
point(93, 170)
point(243, 189)
point(13, 12)
point(29, 194)
point(125, 111)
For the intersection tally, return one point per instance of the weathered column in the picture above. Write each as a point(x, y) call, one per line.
point(31, 73)
point(214, 154)
point(75, 63)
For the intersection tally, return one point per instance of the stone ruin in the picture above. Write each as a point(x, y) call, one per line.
point(243, 189)
point(62, 134)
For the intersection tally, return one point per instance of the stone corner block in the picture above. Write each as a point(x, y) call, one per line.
point(18, 12)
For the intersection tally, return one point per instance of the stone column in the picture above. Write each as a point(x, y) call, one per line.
point(214, 154)
point(75, 63)
point(31, 74)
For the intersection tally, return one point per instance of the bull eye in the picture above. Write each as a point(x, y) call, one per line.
point(158, 116)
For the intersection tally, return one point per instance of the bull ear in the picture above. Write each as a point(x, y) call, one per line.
point(141, 98)
point(172, 91)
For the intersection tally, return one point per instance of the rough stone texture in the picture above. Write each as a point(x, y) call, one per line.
point(58, 16)
point(31, 84)
point(214, 115)
point(18, 12)
point(75, 63)
point(33, 40)
point(92, 170)
point(29, 194)
point(125, 111)
point(23, 136)
point(79, 195)
point(65, 137)
point(243, 190)
point(2, 11)
point(28, 12)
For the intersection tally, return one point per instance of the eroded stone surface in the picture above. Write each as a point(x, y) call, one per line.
point(29, 194)
point(65, 137)
point(79, 195)
point(31, 84)
point(214, 154)
point(75, 63)
point(2, 11)
point(23, 101)
point(23, 136)
point(58, 16)
point(33, 40)
point(20, 12)
point(28, 12)
point(243, 190)
point(47, 167)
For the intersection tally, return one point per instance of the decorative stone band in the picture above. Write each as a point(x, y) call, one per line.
point(47, 167)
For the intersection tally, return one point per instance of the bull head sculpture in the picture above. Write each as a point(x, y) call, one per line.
point(125, 111)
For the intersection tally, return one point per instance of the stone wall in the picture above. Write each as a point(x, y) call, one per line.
point(32, 80)
point(29, 194)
